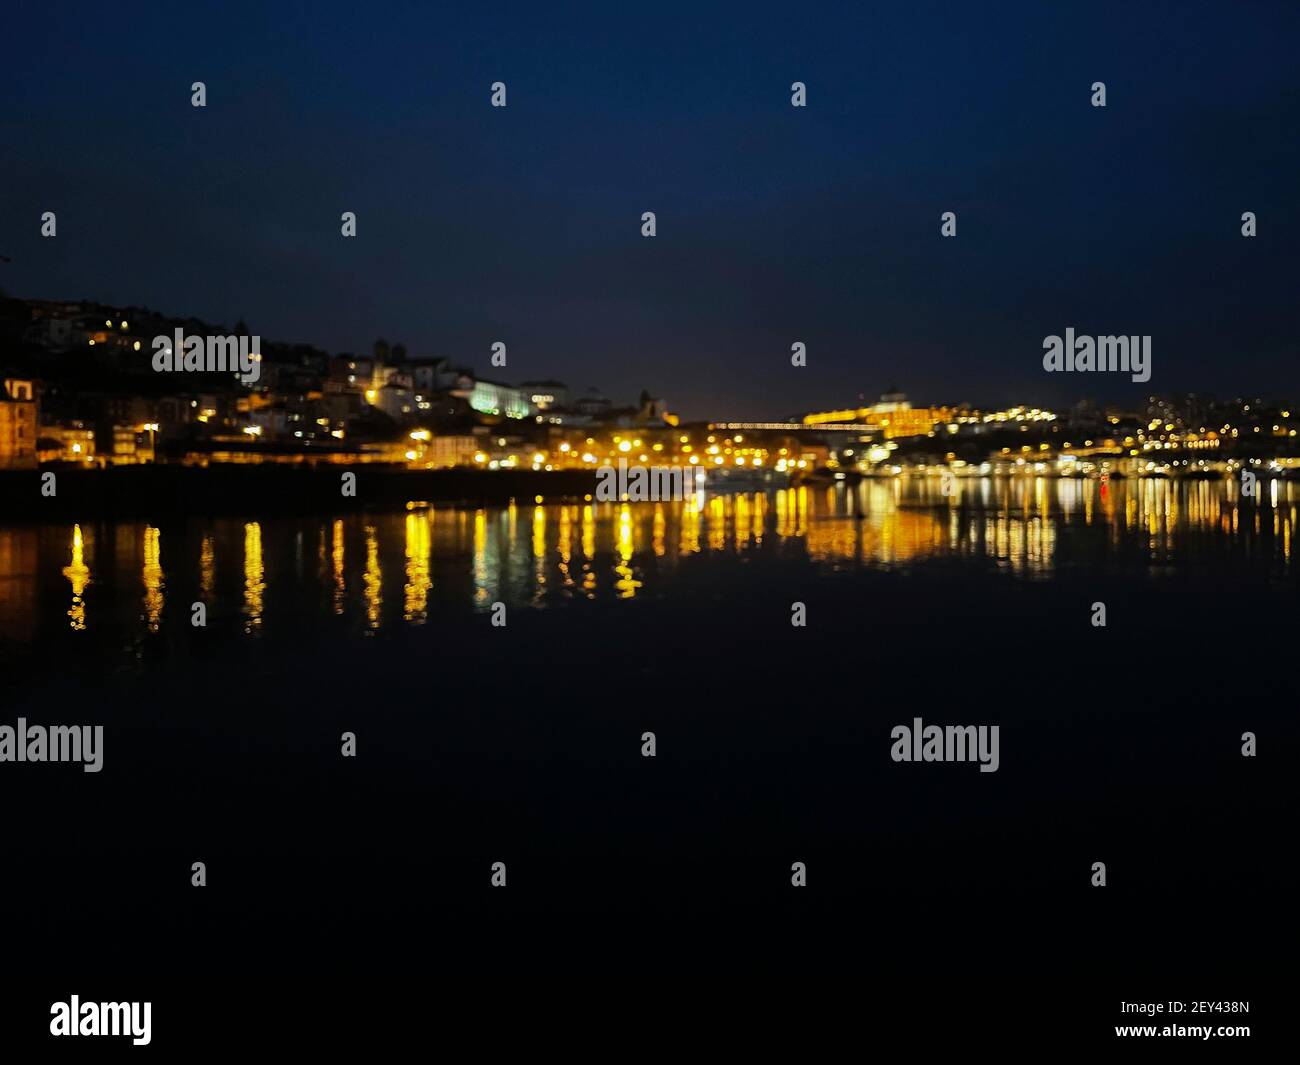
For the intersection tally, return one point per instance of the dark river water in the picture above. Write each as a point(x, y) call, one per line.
point(368, 573)
point(523, 744)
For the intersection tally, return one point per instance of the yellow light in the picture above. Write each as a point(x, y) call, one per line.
point(410, 456)
point(420, 434)
point(136, 345)
point(624, 446)
point(564, 448)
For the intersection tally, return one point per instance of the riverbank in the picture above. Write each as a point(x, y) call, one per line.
point(146, 490)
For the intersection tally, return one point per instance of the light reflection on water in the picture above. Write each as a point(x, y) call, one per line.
point(377, 570)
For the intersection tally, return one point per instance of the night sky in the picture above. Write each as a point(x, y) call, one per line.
point(775, 224)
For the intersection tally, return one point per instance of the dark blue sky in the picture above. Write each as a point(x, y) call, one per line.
point(775, 224)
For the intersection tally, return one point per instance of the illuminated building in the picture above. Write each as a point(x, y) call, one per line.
point(132, 444)
point(67, 443)
point(18, 420)
point(545, 395)
point(911, 421)
point(453, 450)
point(892, 417)
point(493, 397)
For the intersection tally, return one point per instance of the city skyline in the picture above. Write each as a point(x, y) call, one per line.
point(775, 224)
point(289, 350)
point(87, 385)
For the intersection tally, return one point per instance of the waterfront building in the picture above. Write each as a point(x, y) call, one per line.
point(66, 442)
point(446, 451)
point(133, 443)
point(19, 416)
